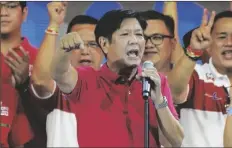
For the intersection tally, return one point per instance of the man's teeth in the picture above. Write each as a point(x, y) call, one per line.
point(132, 53)
point(227, 52)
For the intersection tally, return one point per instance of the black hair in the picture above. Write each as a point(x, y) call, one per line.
point(23, 4)
point(81, 19)
point(111, 21)
point(154, 15)
point(187, 37)
point(223, 14)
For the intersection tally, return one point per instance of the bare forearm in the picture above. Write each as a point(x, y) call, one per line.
point(41, 71)
point(41, 74)
point(179, 77)
point(62, 71)
point(227, 132)
point(60, 64)
point(170, 127)
point(170, 8)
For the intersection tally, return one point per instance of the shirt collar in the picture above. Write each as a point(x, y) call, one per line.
point(214, 71)
point(25, 43)
point(112, 76)
point(219, 78)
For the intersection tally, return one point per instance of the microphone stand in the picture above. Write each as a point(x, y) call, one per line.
point(146, 95)
point(146, 122)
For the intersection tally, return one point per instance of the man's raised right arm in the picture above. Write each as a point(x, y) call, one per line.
point(180, 76)
point(62, 72)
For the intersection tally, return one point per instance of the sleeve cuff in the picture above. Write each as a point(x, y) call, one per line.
point(49, 94)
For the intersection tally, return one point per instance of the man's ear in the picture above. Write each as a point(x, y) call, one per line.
point(104, 43)
point(25, 13)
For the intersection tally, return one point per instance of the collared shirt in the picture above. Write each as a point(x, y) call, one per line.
point(203, 114)
point(13, 119)
point(111, 114)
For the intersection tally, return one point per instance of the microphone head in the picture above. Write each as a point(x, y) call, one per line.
point(147, 64)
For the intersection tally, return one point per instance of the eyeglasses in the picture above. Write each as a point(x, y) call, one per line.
point(91, 44)
point(157, 39)
point(9, 5)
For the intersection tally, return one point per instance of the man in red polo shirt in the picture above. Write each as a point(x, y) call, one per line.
point(15, 53)
point(112, 93)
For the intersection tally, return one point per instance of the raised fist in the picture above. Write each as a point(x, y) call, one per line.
point(57, 11)
point(201, 37)
point(71, 41)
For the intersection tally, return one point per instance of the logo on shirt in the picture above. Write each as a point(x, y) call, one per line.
point(209, 76)
point(4, 110)
point(213, 96)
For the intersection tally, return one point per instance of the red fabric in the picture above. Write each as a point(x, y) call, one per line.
point(8, 111)
point(204, 95)
point(18, 123)
point(110, 114)
point(111, 122)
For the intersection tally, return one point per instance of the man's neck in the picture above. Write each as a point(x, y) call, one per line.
point(10, 41)
point(224, 71)
point(127, 72)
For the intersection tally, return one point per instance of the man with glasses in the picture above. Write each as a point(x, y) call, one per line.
point(91, 55)
point(160, 41)
point(15, 53)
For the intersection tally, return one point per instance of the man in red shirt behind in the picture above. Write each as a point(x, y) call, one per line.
point(15, 53)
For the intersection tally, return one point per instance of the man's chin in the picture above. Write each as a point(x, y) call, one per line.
point(86, 64)
point(4, 33)
point(132, 63)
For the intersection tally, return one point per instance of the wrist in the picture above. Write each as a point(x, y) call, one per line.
point(161, 102)
point(24, 86)
point(193, 54)
point(53, 24)
point(52, 29)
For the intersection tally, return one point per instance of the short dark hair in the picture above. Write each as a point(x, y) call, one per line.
point(223, 14)
point(154, 15)
point(23, 4)
point(81, 19)
point(111, 21)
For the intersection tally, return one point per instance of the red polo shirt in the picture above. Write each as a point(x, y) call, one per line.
point(109, 113)
point(14, 123)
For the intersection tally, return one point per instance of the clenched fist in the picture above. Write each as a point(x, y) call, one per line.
point(71, 41)
point(57, 11)
point(201, 37)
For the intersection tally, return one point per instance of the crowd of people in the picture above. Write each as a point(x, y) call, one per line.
point(61, 95)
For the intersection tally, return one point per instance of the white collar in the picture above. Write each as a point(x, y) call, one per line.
point(219, 78)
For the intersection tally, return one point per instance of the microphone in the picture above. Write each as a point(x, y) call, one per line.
point(146, 82)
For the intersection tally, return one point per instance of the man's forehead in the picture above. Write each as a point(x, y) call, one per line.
point(129, 23)
point(78, 27)
point(156, 26)
point(223, 25)
point(9, 2)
